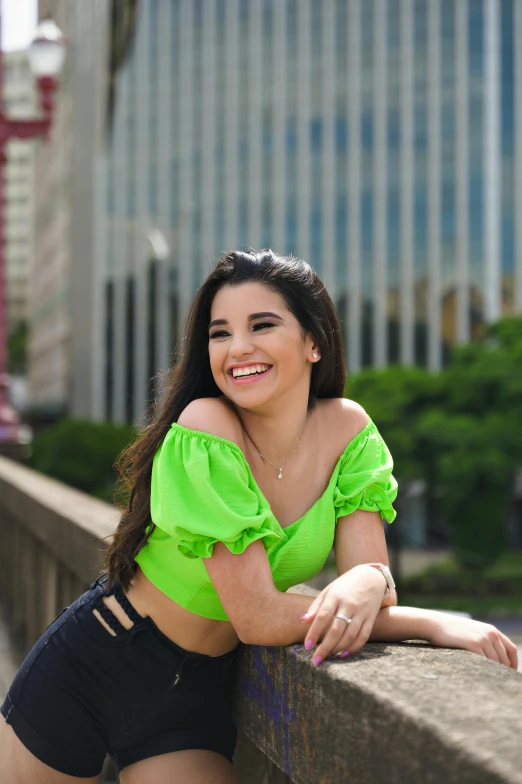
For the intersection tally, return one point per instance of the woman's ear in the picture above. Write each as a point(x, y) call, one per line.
point(315, 355)
point(311, 347)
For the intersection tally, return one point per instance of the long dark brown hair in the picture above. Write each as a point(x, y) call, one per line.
point(191, 378)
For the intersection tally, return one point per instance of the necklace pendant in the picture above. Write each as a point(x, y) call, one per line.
point(280, 474)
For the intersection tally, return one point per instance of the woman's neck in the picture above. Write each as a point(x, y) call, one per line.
point(275, 434)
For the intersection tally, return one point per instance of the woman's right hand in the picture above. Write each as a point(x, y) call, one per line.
point(451, 631)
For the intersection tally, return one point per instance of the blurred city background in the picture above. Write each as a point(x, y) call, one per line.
point(380, 140)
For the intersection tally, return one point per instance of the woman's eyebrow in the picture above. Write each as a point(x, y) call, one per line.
point(264, 314)
point(252, 317)
point(217, 322)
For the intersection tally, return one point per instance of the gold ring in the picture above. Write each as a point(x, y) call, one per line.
point(344, 618)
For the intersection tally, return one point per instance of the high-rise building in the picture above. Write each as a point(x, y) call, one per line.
point(380, 140)
point(66, 326)
point(18, 172)
point(48, 358)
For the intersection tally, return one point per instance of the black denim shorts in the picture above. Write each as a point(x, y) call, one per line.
point(83, 693)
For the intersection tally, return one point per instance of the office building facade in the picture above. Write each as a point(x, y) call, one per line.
point(65, 315)
point(18, 172)
point(48, 359)
point(380, 140)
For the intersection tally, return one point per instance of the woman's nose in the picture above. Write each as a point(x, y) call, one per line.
point(241, 344)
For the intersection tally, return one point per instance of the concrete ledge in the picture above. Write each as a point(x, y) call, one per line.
point(396, 713)
point(68, 522)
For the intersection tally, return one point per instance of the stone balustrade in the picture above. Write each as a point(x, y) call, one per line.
point(393, 713)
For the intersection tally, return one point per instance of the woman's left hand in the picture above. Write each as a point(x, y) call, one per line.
point(358, 595)
point(451, 631)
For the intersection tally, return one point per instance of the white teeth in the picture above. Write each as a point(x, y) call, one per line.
point(250, 370)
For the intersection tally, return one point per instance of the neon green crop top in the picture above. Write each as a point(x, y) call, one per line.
point(203, 492)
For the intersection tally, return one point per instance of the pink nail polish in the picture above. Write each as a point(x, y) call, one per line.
point(317, 660)
point(304, 617)
point(309, 644)
point(344, 654)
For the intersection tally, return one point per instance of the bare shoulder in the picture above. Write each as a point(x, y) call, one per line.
point(212, 415)
point(344, 418)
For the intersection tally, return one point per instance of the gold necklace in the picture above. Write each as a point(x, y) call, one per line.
point(279, 468)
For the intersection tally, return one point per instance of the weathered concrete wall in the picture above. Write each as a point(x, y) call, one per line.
point(394, 713)
point(398, 713)
point(51, 547)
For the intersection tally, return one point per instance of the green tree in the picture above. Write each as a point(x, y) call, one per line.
point(461, 430)
point(474, 461)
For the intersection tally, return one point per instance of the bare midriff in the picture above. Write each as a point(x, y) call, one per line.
point(192, 632)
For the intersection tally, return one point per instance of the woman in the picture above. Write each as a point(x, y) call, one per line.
point(254, 466)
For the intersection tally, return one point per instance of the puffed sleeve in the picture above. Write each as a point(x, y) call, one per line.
point(365, 478)
point(202, 492)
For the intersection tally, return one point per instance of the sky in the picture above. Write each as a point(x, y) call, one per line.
point(18, 23)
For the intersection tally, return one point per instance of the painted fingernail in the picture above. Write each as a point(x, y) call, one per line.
point(304, 617)
point(309, 644)
point(344, 654)
point(317, 660)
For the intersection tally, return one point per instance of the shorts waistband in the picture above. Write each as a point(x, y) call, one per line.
point(145, 622)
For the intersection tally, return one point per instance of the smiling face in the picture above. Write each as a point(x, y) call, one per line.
point(257, 350)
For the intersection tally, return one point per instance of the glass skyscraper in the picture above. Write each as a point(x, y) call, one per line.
point(380, 140)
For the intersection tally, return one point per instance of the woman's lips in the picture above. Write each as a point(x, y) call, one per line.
point(241, 380)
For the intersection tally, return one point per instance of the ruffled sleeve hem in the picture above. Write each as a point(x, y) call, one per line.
point(203, 548)
point(373, 499)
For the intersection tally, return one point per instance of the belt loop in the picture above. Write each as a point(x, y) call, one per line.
point(109, 618)
point(126, 606)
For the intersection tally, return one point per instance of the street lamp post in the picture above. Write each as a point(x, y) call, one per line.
point(46, 58)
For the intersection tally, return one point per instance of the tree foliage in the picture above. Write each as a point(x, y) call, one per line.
point(460, 430)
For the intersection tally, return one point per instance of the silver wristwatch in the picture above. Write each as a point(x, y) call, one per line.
point(387, 576)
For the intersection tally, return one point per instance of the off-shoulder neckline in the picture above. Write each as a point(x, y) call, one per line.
point(352, 444)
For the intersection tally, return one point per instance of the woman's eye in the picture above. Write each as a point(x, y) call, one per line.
point(220, 334)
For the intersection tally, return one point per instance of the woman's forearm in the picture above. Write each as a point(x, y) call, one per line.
point(394, 624)
point(280, 624)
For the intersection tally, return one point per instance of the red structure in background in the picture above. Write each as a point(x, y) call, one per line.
point(46, 57)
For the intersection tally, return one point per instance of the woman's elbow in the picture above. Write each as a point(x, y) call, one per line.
point(255, 627)
point(250, 631)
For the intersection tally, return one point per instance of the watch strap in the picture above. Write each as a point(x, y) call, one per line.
point(385, 571)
